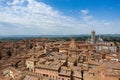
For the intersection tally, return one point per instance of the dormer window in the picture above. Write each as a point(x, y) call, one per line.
point(91, 74)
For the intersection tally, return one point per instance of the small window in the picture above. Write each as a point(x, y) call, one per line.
point(91, 74)
point(111, 44)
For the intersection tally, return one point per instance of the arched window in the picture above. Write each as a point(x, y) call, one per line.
point(111, 45)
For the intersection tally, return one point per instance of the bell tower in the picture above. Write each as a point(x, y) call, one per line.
point(93, 37)
point(72, 44)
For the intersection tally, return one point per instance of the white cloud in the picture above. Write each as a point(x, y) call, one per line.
point(40, 18)
point(36, 15)
point(84, 11)
point(85, 15)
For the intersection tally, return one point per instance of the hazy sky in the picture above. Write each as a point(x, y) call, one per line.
point(59, 17)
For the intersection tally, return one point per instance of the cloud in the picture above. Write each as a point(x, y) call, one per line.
point(85, 15)
point(84, 11)
point(101, 26)
point(34, 16)
point(30, 17)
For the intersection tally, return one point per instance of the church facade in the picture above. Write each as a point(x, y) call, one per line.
point(100, 44)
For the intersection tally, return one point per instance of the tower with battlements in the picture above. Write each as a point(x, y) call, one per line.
point(72, 44)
